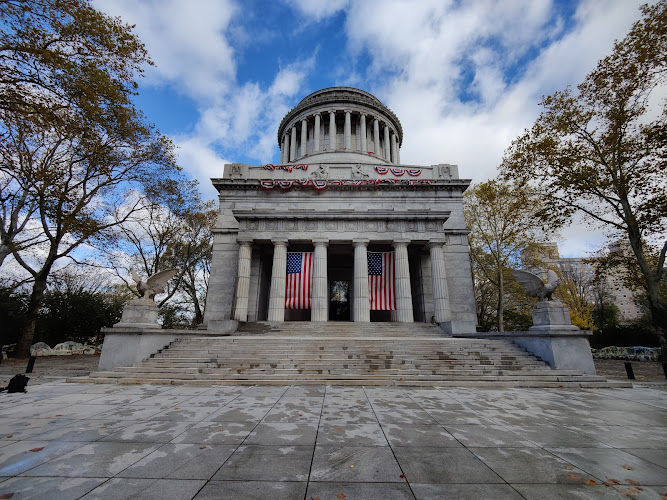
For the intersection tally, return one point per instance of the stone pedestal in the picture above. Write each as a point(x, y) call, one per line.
point(139, 313)
point(553, 338)
point(551, 315)
point(137, 336)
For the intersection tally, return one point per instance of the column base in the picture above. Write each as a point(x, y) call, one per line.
point(456, 327)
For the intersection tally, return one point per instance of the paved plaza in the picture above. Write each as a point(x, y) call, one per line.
point(62, 441)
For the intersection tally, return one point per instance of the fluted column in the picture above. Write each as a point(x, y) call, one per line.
point(284, 152)
point(376, 137)
point(439, 275)
point(362, 133)
point(304, 137)
point(332, 130)
point(387, 152)
point(278, 280)
point(361, 312)
point(320, 297)
point(348, 131)
point(398, 153)
point(292, 145)
point(393, 148)
point(316, 133)
point(402, 283)
point(243, 281)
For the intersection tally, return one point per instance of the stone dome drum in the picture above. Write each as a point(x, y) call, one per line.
point(338, 124)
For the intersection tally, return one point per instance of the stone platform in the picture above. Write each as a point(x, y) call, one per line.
point(381, 354)
point(70, 441)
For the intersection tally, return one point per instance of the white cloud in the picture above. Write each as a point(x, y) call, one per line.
point(186, 40)
point(319, 9)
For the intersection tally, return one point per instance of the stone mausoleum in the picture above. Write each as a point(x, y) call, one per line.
point(341, 229)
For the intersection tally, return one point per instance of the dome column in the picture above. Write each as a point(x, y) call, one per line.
point(284, 152)
point(362, 133)
point(376, 137)
point(387, 151)
point(292, 144)
point(304, 137)
point(348, 130)
point(393, 148)
point(316, 133)
point(332, 130)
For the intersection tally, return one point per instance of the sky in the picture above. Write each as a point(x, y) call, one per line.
point(465, 77)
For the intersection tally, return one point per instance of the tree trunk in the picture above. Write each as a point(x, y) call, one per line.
point(30, 320)
point(4, 252)
point(501, 301)
point(658, 314)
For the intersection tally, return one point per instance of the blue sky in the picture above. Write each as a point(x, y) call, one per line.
point(464, 77)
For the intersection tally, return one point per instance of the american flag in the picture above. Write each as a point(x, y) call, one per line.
point(381, 281)
point(299, 280)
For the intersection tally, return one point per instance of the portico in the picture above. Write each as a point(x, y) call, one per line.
point(341, 198)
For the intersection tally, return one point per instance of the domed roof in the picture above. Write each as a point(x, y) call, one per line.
point(341, 95)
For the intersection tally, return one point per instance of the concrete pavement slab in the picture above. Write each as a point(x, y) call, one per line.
point(216, 433)
point(355, 464)
point(351, 434)
point(658, 457)
point(54, 488)
point(419, 435)
point(146, 489)
point(25, 455)
point(443, 465)
point(608, 464)
point(465, 491)
point(252, 490)
point(530, 465)
point(283, 434)
point(359, 491)
point(94, 460)
point(267, 463)
point(181, 461)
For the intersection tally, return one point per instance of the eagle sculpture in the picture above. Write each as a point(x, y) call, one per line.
point(534, 286)
point(154, 284)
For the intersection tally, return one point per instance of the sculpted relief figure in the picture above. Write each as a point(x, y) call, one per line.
point(444, 172)
point(236, 171)
point(358, 172)
point(321, 173)
point(534, 286)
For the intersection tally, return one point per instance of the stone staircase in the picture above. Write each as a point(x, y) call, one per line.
point(345, 354)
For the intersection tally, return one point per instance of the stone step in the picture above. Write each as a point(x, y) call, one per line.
point(379, 382)
point(162, 362)
point(338, 370)
point(364, 357)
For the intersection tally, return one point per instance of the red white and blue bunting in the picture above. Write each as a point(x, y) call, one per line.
point(398, 172)
point(288, 168)
point(319, 185)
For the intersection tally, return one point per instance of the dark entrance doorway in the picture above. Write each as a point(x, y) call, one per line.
point(339, 301)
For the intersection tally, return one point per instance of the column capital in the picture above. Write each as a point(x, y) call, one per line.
point(279, 242)
point(360, 242)
point(400, 243)
point(437, 242)
point(244, 240)
point(320, 242)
